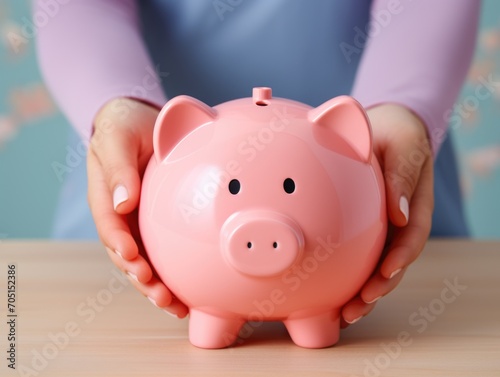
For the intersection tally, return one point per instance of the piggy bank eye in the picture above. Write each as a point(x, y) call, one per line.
point(289, 185)
point(234, 186)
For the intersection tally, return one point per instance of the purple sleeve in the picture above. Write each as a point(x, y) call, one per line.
point(91, 51)
point(417, 55)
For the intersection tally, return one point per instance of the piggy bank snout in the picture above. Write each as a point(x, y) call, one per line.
point(261, 243)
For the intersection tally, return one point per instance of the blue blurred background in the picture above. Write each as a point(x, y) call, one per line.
point(33, 134)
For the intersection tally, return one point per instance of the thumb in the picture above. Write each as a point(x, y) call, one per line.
point(123, 144)
point(403, 162)
point(402, 146)
point(117, 151)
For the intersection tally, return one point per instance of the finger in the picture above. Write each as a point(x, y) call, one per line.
point(117, 151)
point(177, 308)
point(123, 143)
point(159, 295)
point(354, 310)
point(138, 269)
point(408, 242)
point(378, 286)
point(403, 163)
point(112, 228)
point(150, 286)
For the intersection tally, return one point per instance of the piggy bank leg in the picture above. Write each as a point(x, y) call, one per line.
point(316, 331)
point(211, 331)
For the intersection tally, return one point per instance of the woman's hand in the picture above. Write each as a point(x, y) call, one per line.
point(401, 145)
point(119, 151)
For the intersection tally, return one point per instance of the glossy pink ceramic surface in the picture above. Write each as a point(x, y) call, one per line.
point(263, 209)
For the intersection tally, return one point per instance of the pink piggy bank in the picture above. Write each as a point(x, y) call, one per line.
point(263, 209)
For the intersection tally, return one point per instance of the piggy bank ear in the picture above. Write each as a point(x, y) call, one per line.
point(179, 116)
point(343, 118)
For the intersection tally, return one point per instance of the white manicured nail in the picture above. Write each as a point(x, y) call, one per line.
point(153, 302)
point(170, 314)
point(120, 195)
point(374, 300)
point(354, 320)
point(394, 273)
point(111, 251)
point(404, 207)
point(133, 276)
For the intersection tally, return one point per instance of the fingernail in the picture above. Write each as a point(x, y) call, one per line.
point(170, 314)
point(119, 195)
point(133, 276)
point(394, 273)
point(374, 300)
point(404, 207)
point(114, 252)
point(153, 302)
point(354, 320)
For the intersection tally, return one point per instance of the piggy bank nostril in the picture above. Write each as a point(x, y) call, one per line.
point(275, 245)
point(249, 245)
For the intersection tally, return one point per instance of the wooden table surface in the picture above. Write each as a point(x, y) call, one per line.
point(77, 316)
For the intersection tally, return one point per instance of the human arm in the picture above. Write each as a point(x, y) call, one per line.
point(409, 77)
point(94, 61)
point(91, 52)
point(419, 59)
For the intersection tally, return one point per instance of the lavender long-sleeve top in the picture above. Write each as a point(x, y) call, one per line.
point(417, 52)
point(412, 52)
